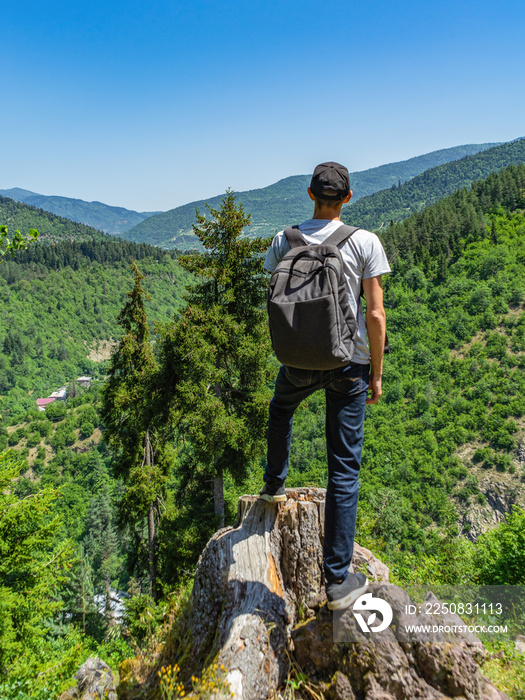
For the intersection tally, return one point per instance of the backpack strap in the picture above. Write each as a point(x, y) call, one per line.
point(341, 234)
point(294, 237)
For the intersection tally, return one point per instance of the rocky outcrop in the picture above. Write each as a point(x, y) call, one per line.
point(501, 493)
point(95, 681)
point(392, 665)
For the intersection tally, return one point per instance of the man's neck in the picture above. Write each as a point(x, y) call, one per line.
point(327, 213)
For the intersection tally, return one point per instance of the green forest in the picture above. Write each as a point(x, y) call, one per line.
point(119, 487)
point(400, 200)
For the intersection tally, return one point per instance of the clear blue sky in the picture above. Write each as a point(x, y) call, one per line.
point(152, 105)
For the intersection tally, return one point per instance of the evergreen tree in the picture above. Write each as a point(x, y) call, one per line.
point(79, 592)
point(33, 563)
point(218, 351)
point(101, 545)
point(130, 414)
point(72, 391)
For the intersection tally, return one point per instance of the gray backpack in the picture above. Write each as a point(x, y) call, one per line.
point(311, 323)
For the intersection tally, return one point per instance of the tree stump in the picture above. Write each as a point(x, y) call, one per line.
point(252, 583)
point(258, 601)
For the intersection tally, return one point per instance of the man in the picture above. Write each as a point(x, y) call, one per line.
point(346, 388)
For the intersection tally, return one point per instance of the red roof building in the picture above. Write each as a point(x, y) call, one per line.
point(42, 403)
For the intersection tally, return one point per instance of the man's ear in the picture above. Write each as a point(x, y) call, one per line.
point(311, 195)
point(348, 197)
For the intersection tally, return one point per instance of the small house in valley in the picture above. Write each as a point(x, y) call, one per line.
point(42, 403)
point(60, 394)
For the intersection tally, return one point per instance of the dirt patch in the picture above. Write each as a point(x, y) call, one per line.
point(463, 350)
point(102, 350)
point(11, 428)
point(49, 454)
point(87, 444)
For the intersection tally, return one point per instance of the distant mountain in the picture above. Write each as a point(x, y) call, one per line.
point(286, 201)
point(399, 202)
point(22, 217)
point(112, 220)
point(18, 194)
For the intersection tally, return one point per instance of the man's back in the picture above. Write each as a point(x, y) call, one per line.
point(363, 258)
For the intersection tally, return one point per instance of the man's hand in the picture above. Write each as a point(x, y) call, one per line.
point(374, 386)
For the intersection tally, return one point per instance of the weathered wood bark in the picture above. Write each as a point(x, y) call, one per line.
point(151, 552)
point(250, 584)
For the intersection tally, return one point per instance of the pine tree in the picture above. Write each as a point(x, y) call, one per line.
point(79, 593)
point(493, 233)
point(219, 350)
point(33, 569)
point(101, 545)
point(129, 411)
point(72, 389)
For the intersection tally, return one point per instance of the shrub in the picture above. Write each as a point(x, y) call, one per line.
point(56, 411)
point(479, 300)
point(502, 462)
point(86, 429)
point(462, 472)
point(44, 428)
point(479, 455)
point(33, 439)
point(500, 553)
point(502, 440)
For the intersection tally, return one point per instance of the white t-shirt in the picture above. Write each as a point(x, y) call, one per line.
point(363, 257)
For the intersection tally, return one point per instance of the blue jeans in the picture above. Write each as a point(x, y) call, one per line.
point(346, 391)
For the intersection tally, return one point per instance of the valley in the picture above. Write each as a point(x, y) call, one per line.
point(443, 473)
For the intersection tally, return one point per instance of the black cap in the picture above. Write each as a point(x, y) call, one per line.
point(333, 177)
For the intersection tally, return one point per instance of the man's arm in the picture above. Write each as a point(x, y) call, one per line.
point(376, 329)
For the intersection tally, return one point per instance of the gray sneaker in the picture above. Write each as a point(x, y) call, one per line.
point(272, 493)
point(342, 595)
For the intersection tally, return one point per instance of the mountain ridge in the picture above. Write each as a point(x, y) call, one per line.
point(104, 217)
point(275, 205)
point(427, 188)
point(21, 216)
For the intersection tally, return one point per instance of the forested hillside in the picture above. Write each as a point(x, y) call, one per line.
point(443, 465)
point(58, 309)
point(22, 217)
point(401, 200)
point(103, 217)
point(286, 201)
